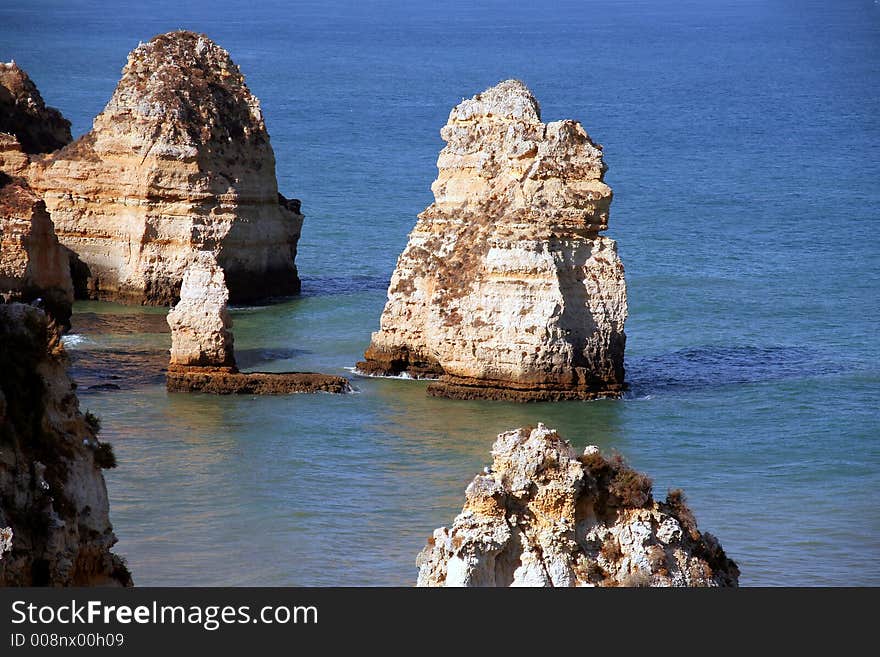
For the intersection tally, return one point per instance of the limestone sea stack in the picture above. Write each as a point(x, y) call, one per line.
point(506, 289)
point(54, 514)
point(179, 161)
point(33, 265)
point(202, 355)
point(545, 516)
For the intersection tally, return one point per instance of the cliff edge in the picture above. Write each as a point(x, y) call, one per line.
point(54, 512)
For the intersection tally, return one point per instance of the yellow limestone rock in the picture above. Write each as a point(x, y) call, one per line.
point(179, 161)
point(33, 265)
point(506, 289)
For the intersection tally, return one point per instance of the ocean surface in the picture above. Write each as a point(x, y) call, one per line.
point(743, 139)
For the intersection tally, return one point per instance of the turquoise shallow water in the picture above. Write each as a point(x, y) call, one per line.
point(744, 148)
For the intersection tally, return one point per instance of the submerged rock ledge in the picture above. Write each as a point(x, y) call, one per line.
point(226, 381)
point(543, 515)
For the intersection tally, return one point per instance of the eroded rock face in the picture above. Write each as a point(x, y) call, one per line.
point(201, 329)
point(544, 516)
point(506, 289)
point(24, 116)
point(53, 499)
point(33, 265)
point(179, 161)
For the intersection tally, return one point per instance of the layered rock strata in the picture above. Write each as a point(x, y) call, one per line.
point(543, 515)
point(179, 161)
point(202, 355)
point(54, 512)
point(506, 289)
point(33, 264)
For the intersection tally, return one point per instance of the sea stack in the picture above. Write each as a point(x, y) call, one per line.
point(506, 289)
point(201, 328)
point(543, 515)
point(179, 161)
point(54, 513)
point(202, 356)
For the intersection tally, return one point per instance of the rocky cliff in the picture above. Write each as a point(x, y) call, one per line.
point(54, 514)
point(544, 516)
point(32, 262)
point(202, 355)
point(506, 289)
point(179, 161)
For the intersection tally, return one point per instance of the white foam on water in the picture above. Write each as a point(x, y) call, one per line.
point(403, 376)
point(74, 340)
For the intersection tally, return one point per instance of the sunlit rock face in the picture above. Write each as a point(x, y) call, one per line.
point(179, 161)
point(543, 515)
point(33, 265)
point(506, 289)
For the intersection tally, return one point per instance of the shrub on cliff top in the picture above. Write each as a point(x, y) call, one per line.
point(629, 487)
point(104, 456)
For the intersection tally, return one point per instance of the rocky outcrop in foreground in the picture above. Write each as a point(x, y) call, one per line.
point(202, 355)
point(544, 516)
point(506, 289)
point(54, 513)
point(179, 161)
point(33, 265)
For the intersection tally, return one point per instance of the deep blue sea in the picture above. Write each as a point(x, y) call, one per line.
point(743, 139)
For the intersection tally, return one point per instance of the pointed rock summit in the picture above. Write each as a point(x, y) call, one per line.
point(179, 161)
point(506, 289)
point(545, 516)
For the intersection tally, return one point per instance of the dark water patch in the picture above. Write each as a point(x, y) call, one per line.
point(712, 366)
point(108, 370)
point(336, 285)
point(119, 323)
point(246, 358)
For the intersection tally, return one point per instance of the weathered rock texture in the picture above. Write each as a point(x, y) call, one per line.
point(25, 117)
point(202, 355)
point(545, 516)
point(506, 289)
point(32, 263)
point(179, 161)
point(229, 381)
point(53, 500)
point(201, 329)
